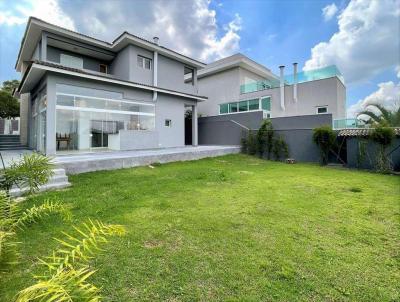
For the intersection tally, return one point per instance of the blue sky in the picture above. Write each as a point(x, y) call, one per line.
point(360, 36)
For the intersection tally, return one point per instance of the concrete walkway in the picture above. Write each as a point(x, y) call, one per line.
point(87, 162)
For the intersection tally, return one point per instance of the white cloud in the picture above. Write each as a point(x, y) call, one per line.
point(47, 10)
point(366, 43)
point(329, 11)
point(387, 95)
point(189, 27)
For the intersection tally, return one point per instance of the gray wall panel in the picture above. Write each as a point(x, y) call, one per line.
point(369, 161)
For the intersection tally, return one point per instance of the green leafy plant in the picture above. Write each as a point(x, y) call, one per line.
point(379, 115)
point(383, 136)
point(280, 149)
point(12, 219)
point(68, 267)
point(325, 138)
point(251, 143)
point(265, 136)
point(32, 171)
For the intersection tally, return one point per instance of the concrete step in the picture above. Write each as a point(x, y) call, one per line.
point(58, 181)
point(19, 147)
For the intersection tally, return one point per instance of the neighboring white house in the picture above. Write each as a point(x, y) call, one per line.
point(237, 84)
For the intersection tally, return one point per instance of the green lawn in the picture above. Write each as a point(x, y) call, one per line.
point(232, 228)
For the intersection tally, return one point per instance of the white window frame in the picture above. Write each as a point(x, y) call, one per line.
point(71, 61)
point(318, 107)
point(266, 112)
point(143, 65)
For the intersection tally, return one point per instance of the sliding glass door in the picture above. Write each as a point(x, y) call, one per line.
point(92, 119)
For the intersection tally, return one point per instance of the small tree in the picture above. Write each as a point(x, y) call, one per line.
point(280, 148)
point(324, 137)
point(9, 106)
point(383, 136)
point(265, 136)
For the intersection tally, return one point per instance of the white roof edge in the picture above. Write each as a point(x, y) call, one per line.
point(159, 49)
point(243, 62)
point(110, 46)
point(116, 81)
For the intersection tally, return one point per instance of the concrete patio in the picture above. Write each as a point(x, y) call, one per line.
point(111, 160)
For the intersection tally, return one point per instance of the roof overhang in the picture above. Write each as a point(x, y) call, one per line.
point(36, 27)
point(236, 61)
point(36, 71)
point(126, 38)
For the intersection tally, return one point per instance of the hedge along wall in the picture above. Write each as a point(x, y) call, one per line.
point(362, 153)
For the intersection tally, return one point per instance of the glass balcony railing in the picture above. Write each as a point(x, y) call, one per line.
point(302, 77)
point(348, 123)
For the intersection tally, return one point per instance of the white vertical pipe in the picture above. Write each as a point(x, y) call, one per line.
point(295, 82)
point(155, 74)
point(282, 86)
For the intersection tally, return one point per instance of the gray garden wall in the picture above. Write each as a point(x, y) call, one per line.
point(367, 162)
point(296, 130)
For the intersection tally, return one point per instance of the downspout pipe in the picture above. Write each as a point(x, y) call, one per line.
point(295, 82)
point(282, 86)
point(155, 74)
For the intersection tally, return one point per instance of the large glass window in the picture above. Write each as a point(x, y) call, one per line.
point(266, 103)
point(93, 118)
point(223, 108)
point(233, 107)
point(247, 105)
point(254, 104)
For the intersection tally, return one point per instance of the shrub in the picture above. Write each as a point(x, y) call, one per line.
point(32, 171)
point(265, 138)
point(383, 136)
point(280, 148)
point(251, 143)
point(325, 138)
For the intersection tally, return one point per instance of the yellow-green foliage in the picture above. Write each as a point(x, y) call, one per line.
point(68, 268)
point(12, 218)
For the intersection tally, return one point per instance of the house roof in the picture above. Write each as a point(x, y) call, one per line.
point(362, 132)
point(236, 60)
point(36, 26)
point(36, 70)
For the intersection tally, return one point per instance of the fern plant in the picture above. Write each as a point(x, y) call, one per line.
point(12, 218)
point(68, 267)
point(32, 171)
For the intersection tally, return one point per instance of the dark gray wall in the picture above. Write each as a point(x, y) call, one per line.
point(296, 130)
point(221, 130)
point(371, 149)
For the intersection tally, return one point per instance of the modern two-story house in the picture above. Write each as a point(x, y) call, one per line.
point(82, 94)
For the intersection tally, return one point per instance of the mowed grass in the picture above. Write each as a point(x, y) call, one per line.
point(232, 228)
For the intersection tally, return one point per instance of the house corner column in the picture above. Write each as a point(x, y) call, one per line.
point(51, 117)
point(194, 126)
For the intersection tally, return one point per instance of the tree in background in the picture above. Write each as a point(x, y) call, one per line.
point(379, 115)
point(9, 106)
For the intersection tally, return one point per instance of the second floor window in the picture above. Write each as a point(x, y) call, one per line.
point(71, 61)
point(144, 62)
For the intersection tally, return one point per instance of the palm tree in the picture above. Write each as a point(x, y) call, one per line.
point(380, 115)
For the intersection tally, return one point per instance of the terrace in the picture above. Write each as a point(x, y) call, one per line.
point(302, 77)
